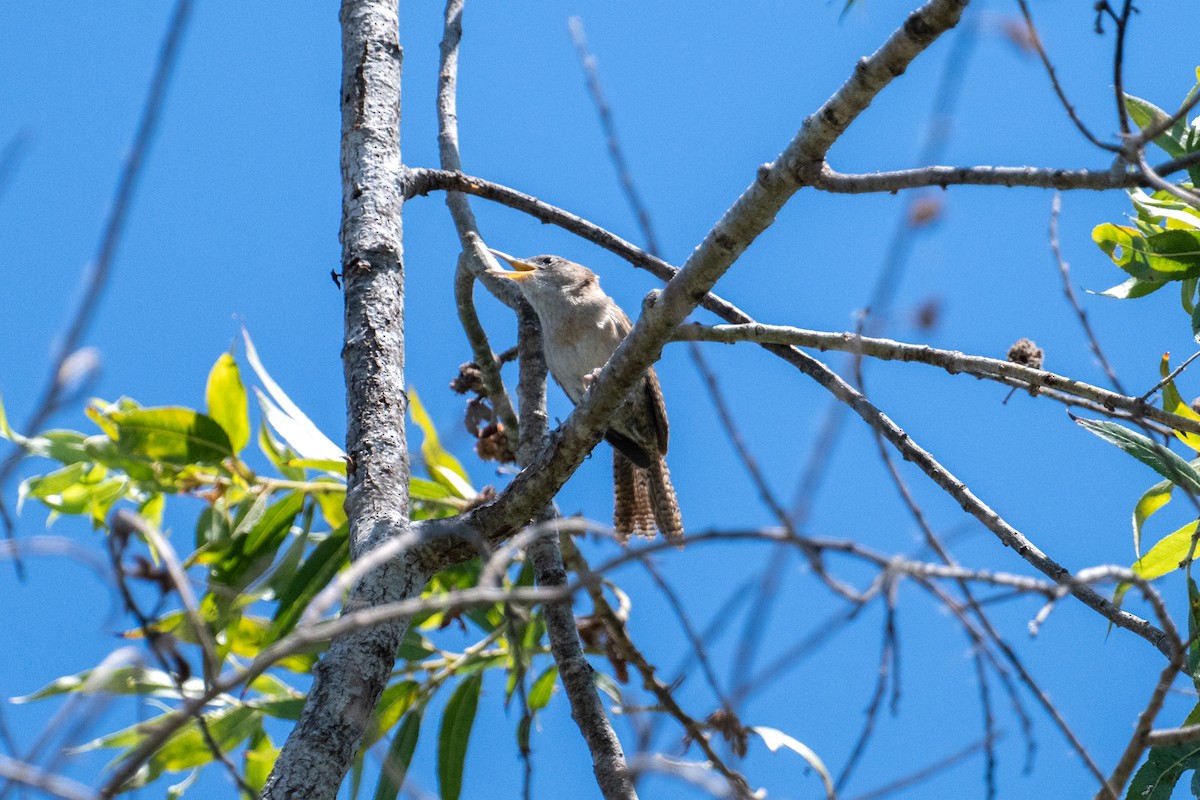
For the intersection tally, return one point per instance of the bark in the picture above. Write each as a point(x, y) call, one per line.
point(348, 681)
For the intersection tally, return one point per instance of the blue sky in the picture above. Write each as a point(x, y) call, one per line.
point(236, 223)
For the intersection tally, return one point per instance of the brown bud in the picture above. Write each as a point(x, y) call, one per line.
point(493, 444)
point(1026, 353)
point(469, 379)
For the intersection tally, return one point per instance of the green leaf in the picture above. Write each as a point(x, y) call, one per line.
point(1151, 501)
point(457, 720)
point(543, 688)
point(288, 708)
point(443, 467)
point(256, 540)
point(1164, 766)
point(606, 684)
point(121, 680)
point(1193, 631)
point(1156, 456)
point(337, 467)
point(1167, 555)
point(278, 453)
point(1170, 255)
point(225, 397)
point(399, 757)
point(260, 759)
point(395, 701)
point(322, 564)
point(1173, 402)
point(1145, 115)
point(54, 483)
point(176, 790)
point(5, 431)
point(186, 748)
point(172, 434)
point(1132, 289)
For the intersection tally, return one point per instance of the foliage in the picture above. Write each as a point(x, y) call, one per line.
point(265, 543)
point(1162, 243)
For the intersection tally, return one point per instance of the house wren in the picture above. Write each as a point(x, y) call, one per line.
point(581, 328)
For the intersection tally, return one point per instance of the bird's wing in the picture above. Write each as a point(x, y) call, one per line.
point(658, 410)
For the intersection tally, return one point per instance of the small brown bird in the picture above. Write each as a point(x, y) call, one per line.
point(581, 328)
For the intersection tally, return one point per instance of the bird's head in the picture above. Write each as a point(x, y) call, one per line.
point(542, 278)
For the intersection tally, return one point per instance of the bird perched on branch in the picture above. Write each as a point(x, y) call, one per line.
point(581, 328)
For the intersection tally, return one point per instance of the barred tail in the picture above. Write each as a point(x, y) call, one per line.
point(633, 507)
point(665, 504)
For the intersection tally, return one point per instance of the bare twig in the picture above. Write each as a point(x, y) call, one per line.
point(114, 225)
point(1064, 270)
point(1036, 40)
point(662, 692)
point(924, 774)
point(96, 276)
point(952, 361)
point(47, 782)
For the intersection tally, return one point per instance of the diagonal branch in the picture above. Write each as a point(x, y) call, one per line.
point(951, 361)
point(751, 214)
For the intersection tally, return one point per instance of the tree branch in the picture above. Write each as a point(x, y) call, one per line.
point(951, 361)
point(348, 681)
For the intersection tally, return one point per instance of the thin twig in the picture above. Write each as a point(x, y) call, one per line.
point(114, 227)
point(951, 361)
point(924, 774)
point(1064, 270)
point(1036, 39)
point(59, 379)
point(662, 692)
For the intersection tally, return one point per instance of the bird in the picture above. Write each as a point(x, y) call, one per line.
point(581, 328)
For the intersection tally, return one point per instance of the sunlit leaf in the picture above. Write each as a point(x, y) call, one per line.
point(337, 467)
point(1167, 554)
point(260, 758)
point(1151, 501)
point(1165, 256)
point(775, 739)
point(1146, 115)
point(225, 398)
point(1154, 455)
point(172, 434)
point(543, 688)
point(286, 417)
point(457, 721)
point(443, 467)
point(1173, 403)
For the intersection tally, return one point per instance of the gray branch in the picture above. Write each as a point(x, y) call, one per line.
point(348, 681)
point(951, 361)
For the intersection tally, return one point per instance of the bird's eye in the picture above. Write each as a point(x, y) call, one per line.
point(543, 261)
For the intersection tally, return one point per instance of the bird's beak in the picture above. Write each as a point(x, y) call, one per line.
point(523, 269)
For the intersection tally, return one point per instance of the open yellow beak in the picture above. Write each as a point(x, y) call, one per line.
point(522, 269)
